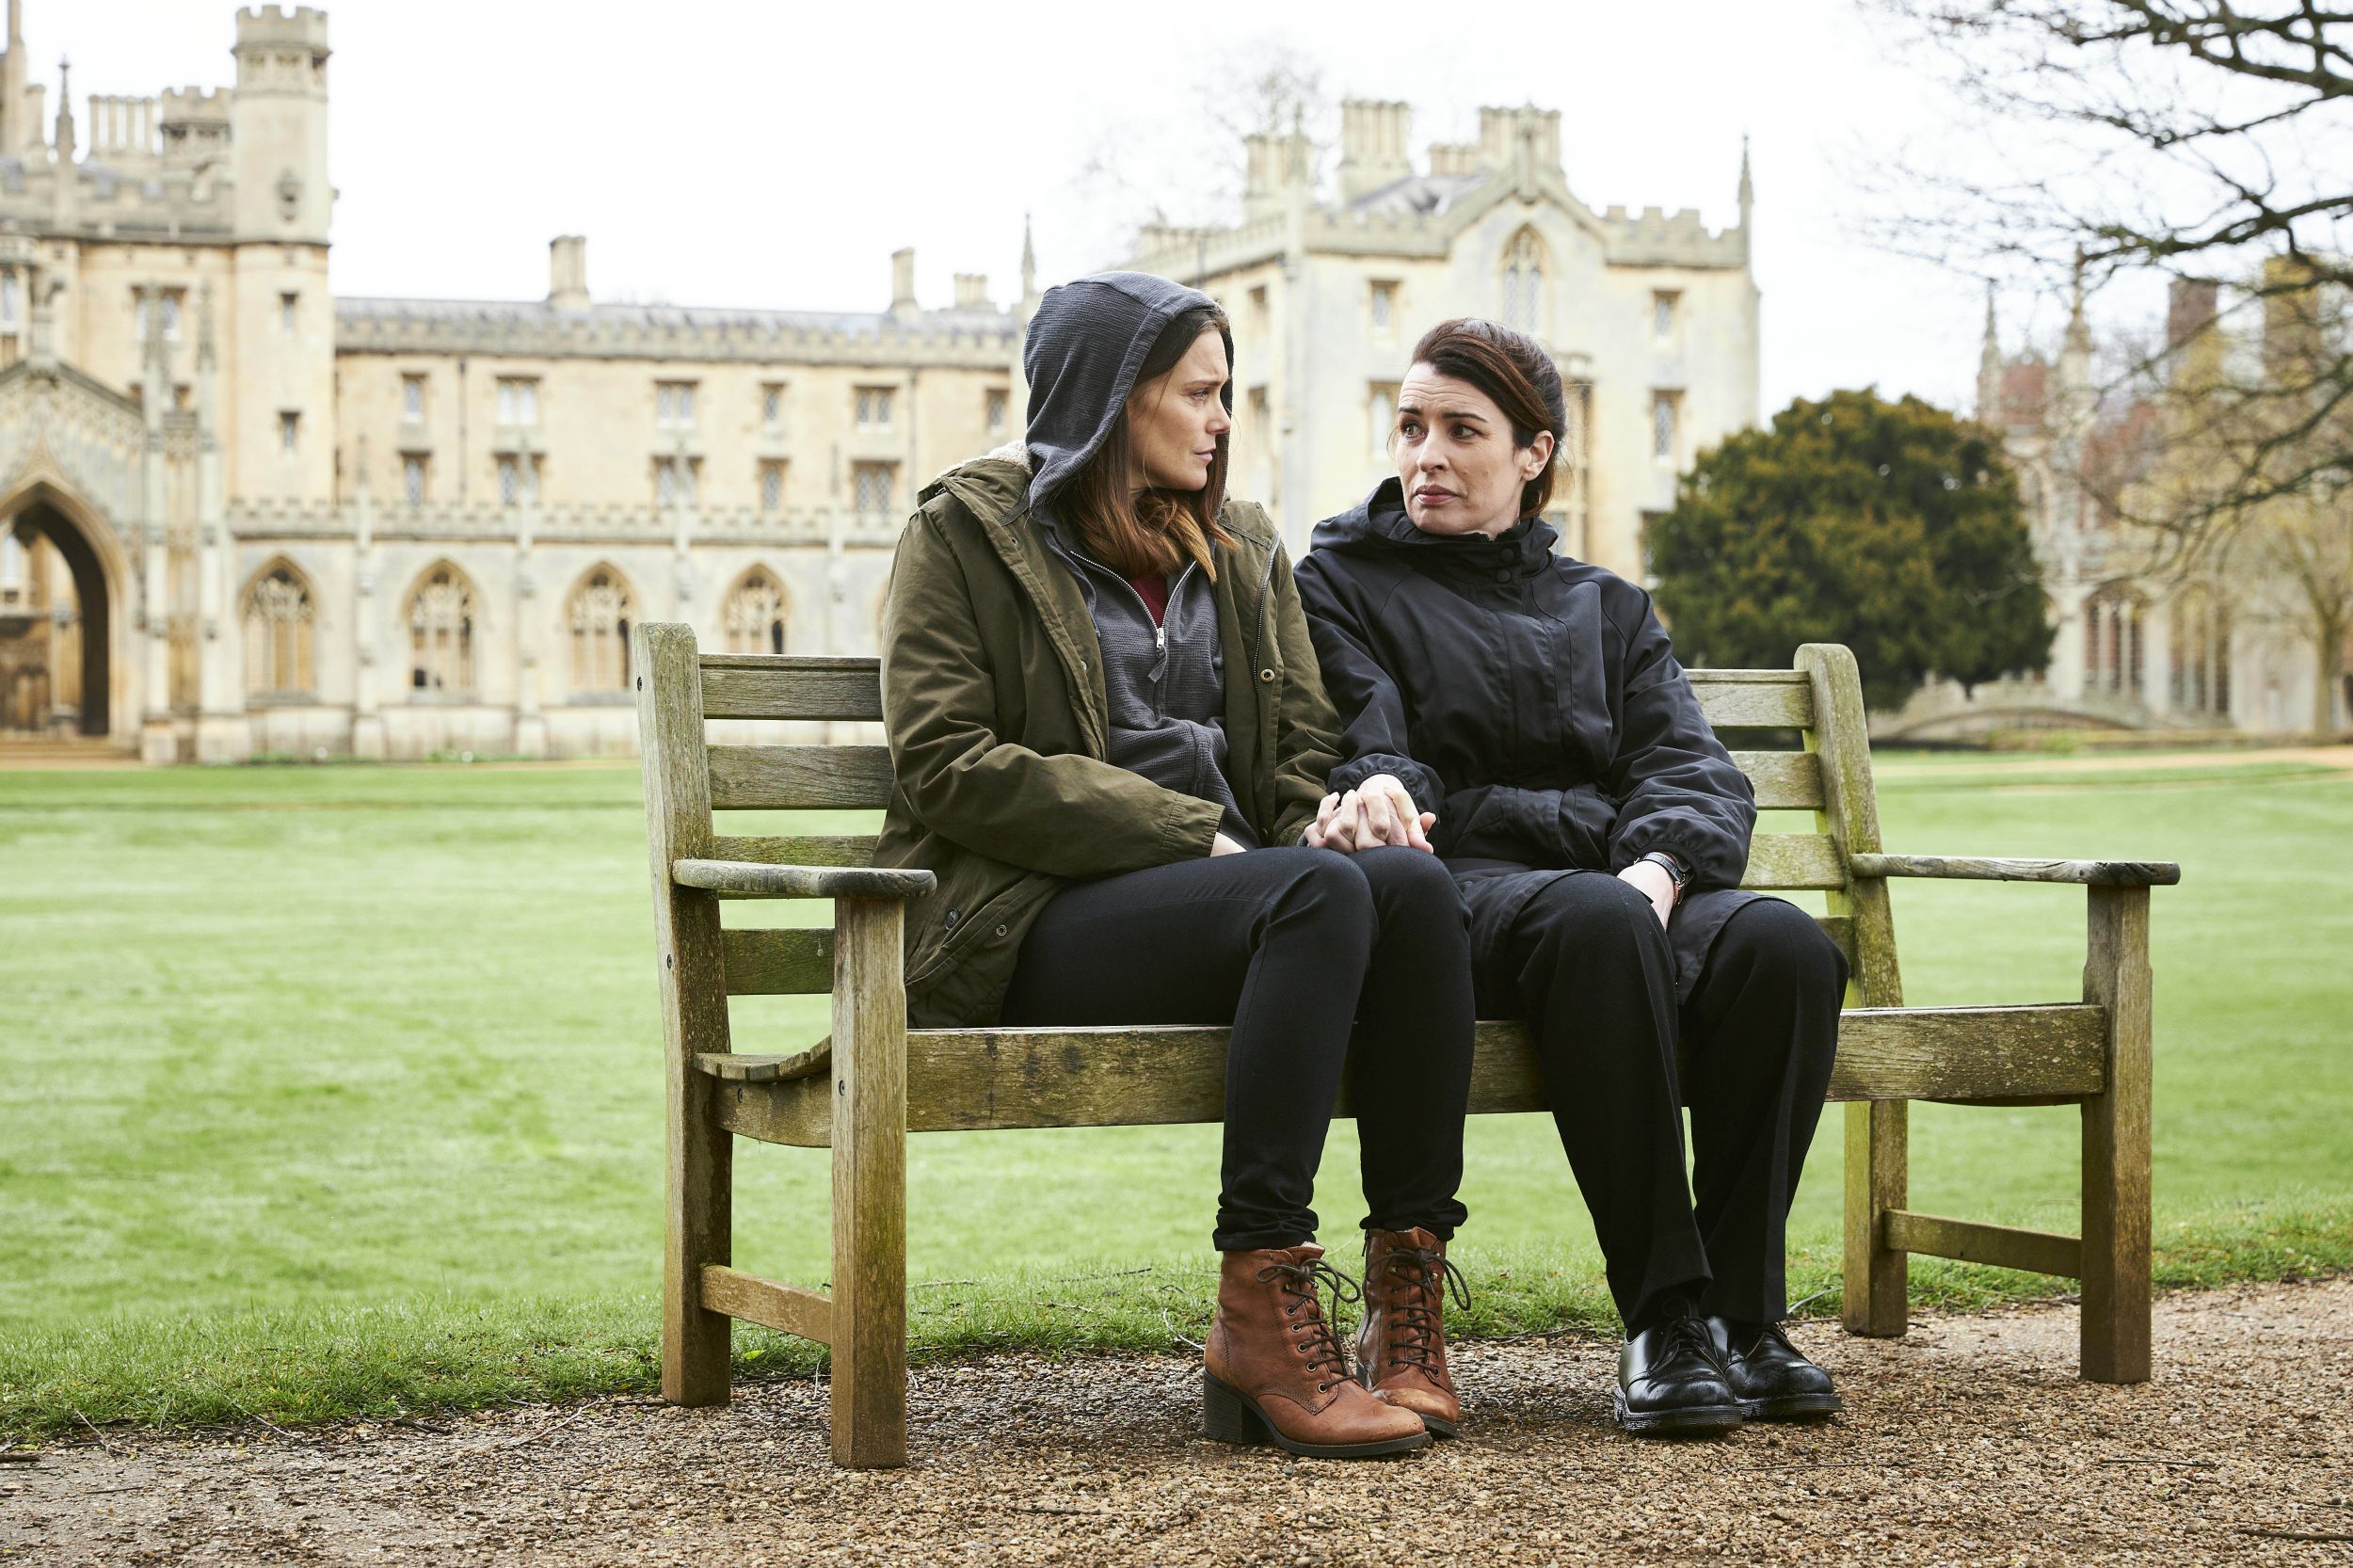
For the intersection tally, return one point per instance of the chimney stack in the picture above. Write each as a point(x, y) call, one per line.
point(902, 282)
point(1373, 146)
point(568, 272)
point(972, 291)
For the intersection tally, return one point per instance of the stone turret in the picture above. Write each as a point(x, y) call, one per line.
point(1506, 134)
point(195, 123)
point(1990, 411)
point(278, 120)
point(16, 133)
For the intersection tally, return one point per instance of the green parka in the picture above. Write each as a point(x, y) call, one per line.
point(992, 689)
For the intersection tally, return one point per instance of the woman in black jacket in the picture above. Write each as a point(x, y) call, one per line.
point(1598, 830)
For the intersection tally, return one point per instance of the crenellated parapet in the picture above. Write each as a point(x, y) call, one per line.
point(609, 523)
point(976, 338)
point(1654, 237)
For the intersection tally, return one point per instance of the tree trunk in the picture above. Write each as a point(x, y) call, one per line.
point(2328, 676)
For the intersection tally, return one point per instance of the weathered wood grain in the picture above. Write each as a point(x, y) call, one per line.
point(2098, 873)
point(743, 1067)
point(823, 849)
point(1784, 780)
point(1753, 699)
point(2038, 1251)
point(786, 1308)
point(1781, 861)
point(778, 963)
point(870, 1187)
point(790, 778)
point(2116, 1213)
point(977, 1079)
point(765, 686)
point(698, 1173)
point(749, 879)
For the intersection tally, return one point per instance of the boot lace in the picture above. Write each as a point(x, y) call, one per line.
point(1300, 1283)
point(1418, 1337)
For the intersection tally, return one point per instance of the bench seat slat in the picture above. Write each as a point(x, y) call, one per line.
point(961, 1079)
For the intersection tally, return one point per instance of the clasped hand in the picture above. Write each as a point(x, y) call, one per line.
point(1379, 812)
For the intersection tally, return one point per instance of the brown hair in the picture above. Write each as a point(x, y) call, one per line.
point(1152, 532)
point(1513, 370)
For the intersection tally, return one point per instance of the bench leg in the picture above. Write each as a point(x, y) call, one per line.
point(2115, 1215)
point(695, 1344)
point(1877, 1281)
point(870, 1152)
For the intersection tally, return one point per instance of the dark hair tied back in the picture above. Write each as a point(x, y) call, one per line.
point(1513, 370)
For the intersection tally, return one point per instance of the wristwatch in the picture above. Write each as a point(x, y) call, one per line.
point(1676, 871)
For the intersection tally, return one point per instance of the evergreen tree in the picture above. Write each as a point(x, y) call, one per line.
point(1891, 527)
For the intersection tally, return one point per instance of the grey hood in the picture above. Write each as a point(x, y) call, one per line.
point(1086, 344)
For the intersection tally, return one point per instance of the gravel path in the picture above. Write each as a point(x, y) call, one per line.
point(1970, 1441)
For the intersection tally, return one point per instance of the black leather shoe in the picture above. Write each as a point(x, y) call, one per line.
point(1670, 1384)
point(1773, 1380)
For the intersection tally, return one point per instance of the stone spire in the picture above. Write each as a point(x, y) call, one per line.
point(1029, 261)
point(64, 112)
point(2074, 360)
point(1748, 186)
point(13, 135)
point(1990, 367)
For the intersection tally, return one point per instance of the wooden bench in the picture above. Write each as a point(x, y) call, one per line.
point(874, 1079)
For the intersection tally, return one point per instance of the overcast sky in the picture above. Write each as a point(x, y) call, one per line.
point(730, 152)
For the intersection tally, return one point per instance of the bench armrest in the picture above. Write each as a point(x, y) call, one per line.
point(2098, 873)
point(752, 879)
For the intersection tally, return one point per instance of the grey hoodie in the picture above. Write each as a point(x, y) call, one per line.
point(1165, 683)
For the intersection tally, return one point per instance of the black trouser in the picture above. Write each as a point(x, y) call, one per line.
point(1587, 964)
point(1288, 946)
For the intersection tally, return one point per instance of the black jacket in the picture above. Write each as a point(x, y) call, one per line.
point(1530, 700)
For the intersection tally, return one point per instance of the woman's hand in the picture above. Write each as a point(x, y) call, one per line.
point(1379, 812)
point(1656, 884)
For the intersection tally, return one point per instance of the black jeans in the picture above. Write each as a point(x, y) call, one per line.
point(1288, 946)
point(1586, 964)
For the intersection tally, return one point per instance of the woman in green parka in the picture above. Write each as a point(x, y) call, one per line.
point(1110, 742)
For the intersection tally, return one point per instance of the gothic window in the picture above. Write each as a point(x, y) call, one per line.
point(771, 485)
point(673, 481)
point(288, 305)
point(772, 403)
point(519, 400)
point(412, 400)
point(1663, 306)
point(674, 404)
point(412, 465)
point(873, 407)
point(1524, 283)
point(2113, 638)
point(289, 432)
point(753, 618)
point(1380, 417)
point(11, 301)
point(993, 406)
point(871, 486)
point(279, 625)
point(2199, 678)
point(1384, 304)
point(519, 480)
point(1663, 412)
point(440, 633)
point(601, 612)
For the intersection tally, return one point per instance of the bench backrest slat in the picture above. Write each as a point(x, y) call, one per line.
point(796, 778)
point(768, 686)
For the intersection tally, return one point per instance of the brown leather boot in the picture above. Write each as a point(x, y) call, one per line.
point(1401, 1348)
point(1274, 1372)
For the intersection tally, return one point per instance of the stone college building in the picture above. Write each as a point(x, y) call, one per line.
point(241, 516)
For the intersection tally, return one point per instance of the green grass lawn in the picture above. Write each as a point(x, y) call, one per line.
point(334, 1089)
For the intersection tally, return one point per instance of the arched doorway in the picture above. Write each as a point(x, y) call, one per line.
point(56, 672)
